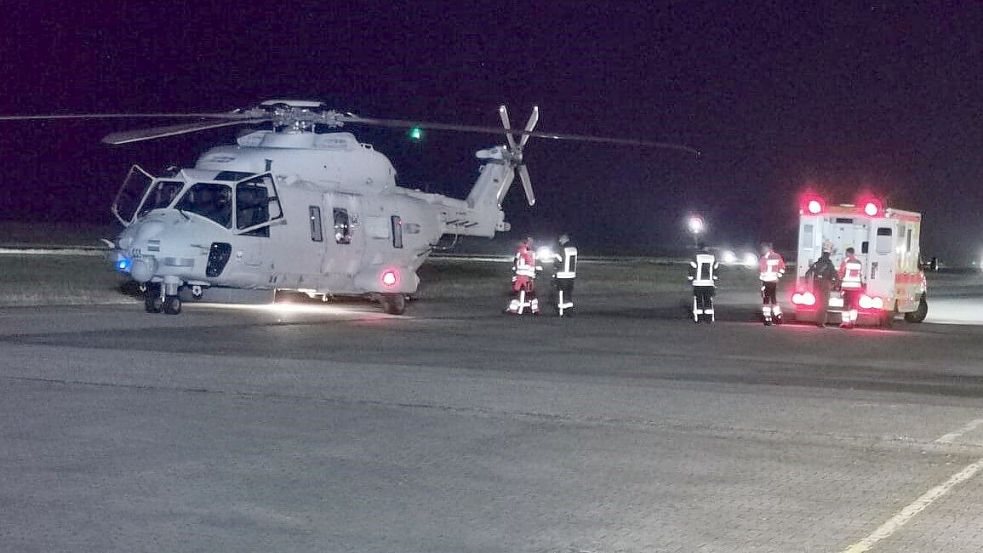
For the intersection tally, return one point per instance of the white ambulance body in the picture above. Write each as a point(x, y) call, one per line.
point(885, 240)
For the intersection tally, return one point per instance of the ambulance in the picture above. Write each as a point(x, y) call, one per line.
point(885, 240)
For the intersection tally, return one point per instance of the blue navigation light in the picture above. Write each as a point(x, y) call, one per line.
point(123, 265)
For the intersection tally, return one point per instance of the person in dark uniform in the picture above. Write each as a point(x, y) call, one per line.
point(564, 273)
point(702, 275)
point(824, 277)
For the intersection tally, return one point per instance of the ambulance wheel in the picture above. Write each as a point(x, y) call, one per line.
point(919, 314)
point(152, 303)
point(393, 304)
point(172, 305)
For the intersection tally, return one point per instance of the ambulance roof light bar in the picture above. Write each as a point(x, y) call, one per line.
point(872, 207)
point(813, 205)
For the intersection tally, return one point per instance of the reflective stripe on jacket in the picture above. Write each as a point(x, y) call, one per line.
point(851, 273)
point(702, 270)
point(771, 267)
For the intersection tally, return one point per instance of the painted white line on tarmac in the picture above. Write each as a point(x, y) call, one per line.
point(953, 436)
point(911, 511)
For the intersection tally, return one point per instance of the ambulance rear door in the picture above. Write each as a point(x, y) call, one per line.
point(882, 258)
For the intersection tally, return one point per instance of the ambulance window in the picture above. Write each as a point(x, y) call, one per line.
point(342, 226)
point(865, 247)
point(807, 236)
point(909, 240)
point(397, 224)
point(884, 245)
point(317, 234)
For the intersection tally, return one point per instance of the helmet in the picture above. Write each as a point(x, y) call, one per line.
point(563, 239)
point(828, 246)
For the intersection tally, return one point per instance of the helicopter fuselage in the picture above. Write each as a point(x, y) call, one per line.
point(318, 213)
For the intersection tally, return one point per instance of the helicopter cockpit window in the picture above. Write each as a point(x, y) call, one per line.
point(211, 200)
point(161, 195)
point(342, 226)
point(130, 194)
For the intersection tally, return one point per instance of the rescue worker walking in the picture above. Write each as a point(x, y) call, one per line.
point(824, 276)
point(771, 267)
point(524, 280)
point(564, 272)
point(852, 284)
point(702, 275)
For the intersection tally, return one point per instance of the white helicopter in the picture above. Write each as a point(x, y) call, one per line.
point(288, 208)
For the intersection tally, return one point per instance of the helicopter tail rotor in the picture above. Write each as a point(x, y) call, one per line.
point(515, 149)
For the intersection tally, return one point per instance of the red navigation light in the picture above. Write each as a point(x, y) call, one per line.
point(813, 205)
point(390, 278)
point(871, 207)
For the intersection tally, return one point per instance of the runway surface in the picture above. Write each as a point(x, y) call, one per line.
point(454, 428)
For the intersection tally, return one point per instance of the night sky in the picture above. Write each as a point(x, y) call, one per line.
point(840, 97)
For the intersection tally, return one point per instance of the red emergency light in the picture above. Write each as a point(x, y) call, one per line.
point(806, 298)
point(390, 278)
point(871, 303)
point(872, 207)
point(813, 205)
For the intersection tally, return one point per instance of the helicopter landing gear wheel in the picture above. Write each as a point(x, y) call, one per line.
point(172, 305)
point(153, 302)
point(393, 304)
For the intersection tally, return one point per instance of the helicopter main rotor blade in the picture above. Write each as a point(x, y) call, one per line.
point(127, 137)
point(63, 116)
point(530, 125)
point(503, 112)
point(527, 184)
point(407, 124)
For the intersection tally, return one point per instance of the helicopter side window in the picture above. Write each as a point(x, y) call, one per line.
point(160, 196)
point(210, 200)
point(397, 224)
point(316, 233)
point(342, 226)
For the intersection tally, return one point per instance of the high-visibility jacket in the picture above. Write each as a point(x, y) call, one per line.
point(525, 263)
point(702, 270)
point(851, 273)
point(566, 262)
point(771, 267)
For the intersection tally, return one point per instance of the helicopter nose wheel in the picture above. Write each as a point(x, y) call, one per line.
point(172, 305)
point(153, 299)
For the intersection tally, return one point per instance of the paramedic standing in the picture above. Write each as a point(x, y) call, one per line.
point(852, 284)
point(771, 267)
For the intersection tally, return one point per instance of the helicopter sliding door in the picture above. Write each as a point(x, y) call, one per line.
point(257, 207)
point(344, 240)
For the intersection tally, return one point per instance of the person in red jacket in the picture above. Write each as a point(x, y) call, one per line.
point(851, 275)
point(771, 267)
point(524, 280)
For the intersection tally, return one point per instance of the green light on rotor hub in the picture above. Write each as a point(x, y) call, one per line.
point(416, 134)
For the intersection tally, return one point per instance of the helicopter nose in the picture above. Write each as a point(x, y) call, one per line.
point(149, 230)
point(143, 269)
